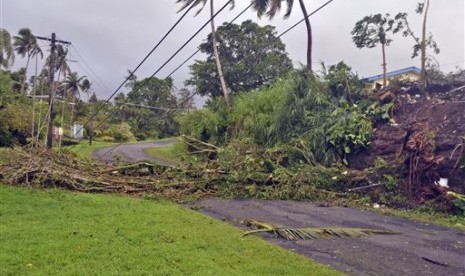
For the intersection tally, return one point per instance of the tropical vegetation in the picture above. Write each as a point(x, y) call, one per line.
point(252, 56)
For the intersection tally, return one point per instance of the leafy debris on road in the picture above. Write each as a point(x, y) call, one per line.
point(311, 233)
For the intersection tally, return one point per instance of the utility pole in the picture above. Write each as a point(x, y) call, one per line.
point(51, 93)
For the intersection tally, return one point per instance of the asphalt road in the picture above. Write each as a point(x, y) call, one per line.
point(134, 152)
point(420, 249)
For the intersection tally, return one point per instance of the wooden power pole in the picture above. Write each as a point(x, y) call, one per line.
point(51, 93)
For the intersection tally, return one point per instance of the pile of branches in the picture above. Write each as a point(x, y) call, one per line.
point(38, 167)
point(238, 170)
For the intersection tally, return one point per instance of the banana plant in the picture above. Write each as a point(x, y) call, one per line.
point(458, 200)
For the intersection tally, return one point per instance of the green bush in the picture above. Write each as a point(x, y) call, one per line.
point(350, 131)
point(297, 114)
point(15, 124)
point(119, 133)
point(204, 124)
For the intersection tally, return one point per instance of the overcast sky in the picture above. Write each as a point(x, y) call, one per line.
point(114, 35)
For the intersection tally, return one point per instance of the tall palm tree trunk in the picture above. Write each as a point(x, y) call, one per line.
point(217, 57)
point(423, 47)
point(309, 37)
point(23, 83)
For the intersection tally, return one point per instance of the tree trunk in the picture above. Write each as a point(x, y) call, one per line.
point(217, 58)
point(383, 47)
point(309, 38)
point(25, 75)
point(423, 47)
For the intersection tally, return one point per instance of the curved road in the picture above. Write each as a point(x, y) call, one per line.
point(134, 152)
point(420, 249)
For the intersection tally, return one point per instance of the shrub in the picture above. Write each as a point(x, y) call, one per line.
point(120, 133)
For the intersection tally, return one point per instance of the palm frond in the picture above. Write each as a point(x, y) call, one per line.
point(311, 233)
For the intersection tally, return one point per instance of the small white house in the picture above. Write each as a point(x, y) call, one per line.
point(77, 131)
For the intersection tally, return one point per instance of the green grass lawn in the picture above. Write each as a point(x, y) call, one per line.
point(58, 232)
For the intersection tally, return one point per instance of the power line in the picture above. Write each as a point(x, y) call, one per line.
point(190, 39)
point(145, 58)
point(198, 50)
point(177, 52)
point(295, 25)
point(285, 32)
point(96, 77)
point(139, 65)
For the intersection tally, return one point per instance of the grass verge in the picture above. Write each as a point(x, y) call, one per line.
point(429, 216)
point(165, 153)
point(58, 232)
point(84, 150)
point(170, 153)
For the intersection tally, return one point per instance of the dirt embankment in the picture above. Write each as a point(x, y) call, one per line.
point(439, 121)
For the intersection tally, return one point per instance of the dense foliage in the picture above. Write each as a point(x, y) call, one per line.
point(308, 115)
point(251, 56)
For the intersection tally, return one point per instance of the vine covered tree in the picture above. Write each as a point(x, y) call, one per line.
point(252, 56)
point(373, 30)
point(272, 7)
point(187, 3)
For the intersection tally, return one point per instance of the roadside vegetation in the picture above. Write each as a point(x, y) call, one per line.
point(285, 133)
point(84, 150)
point(55, 232)
point(171, 153)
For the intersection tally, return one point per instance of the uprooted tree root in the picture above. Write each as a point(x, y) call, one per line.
point(423, 165)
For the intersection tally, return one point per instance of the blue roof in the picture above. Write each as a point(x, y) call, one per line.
point(412, 69)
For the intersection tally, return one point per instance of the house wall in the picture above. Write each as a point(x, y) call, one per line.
point(412, 76)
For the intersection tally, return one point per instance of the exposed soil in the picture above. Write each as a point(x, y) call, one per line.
point(420, 249)
point(443, 116)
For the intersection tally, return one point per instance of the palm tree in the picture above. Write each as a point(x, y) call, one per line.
point(25, 44)
point(61, 62)
point(6, 49)
point(74, 84)
point(271, 7)
point(187, 3)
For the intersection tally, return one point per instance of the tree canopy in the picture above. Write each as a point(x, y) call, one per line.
point(6, 49)
point(251, 56)
point(373, 30)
